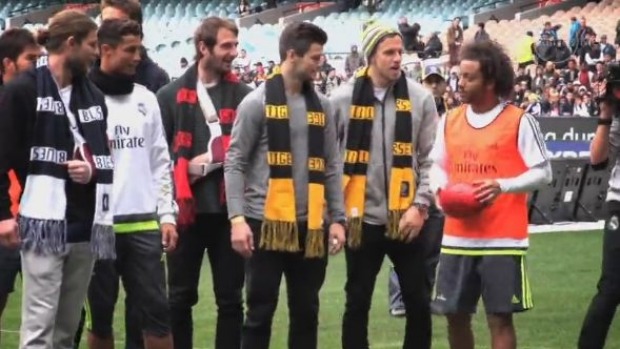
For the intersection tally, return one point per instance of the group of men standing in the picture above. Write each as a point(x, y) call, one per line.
point(269, 182)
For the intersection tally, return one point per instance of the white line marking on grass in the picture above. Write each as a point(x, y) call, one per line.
point(9, 331)
point(566, 226)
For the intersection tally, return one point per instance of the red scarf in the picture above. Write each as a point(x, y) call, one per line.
point(182, 148)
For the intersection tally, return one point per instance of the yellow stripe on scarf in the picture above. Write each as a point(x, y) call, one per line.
point(280, 230)
point(402, 180)
point(354, 200)
point(315, 240)
point(399, 200)
point(402, 184)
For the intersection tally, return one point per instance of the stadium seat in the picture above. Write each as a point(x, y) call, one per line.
point(602, 17)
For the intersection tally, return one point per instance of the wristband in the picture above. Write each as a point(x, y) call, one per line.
point(237, 219)
point(420, 206)
point(605, 122)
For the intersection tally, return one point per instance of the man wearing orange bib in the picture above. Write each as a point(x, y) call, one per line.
point(500, 150)
point(15, 191)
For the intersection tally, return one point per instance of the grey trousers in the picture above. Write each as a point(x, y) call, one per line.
point(54, 289)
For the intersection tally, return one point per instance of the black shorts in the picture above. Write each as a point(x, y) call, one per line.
point(10, 266)
point(139, 264)
point(500, 280)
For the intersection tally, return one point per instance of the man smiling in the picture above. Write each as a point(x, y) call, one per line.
point(198, 110)
point(143, 203)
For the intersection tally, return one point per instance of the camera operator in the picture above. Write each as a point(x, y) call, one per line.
point(604, 147)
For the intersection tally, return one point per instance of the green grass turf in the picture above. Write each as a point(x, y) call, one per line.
point(563, 267)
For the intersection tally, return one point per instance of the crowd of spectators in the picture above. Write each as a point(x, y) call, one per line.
point(544, 87)
point(561, 79)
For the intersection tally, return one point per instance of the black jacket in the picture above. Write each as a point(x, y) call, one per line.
point(410, 35)
point(17, 120)
point(149, 74)
point(206, 191)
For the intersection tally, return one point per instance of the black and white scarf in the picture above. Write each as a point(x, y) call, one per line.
point(42, 220)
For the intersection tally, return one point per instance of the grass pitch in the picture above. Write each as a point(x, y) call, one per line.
point(563, 269)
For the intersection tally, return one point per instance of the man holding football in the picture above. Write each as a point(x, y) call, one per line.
point(487, 156)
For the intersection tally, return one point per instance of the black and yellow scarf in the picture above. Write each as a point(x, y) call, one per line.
point(279, 230)
point(357, 157)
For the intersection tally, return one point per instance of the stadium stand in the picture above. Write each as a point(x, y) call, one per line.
point(174, 22)
point(602, 17)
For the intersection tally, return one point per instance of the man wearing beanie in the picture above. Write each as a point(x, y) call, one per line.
point(432, 231)
point(388, 124)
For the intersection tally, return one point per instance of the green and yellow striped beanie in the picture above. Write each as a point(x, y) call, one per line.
point(372, 34)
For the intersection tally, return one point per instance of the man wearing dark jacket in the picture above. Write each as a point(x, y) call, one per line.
point(198, 111)
point(409, 34)
point(353, 62)
point(53, 135)
point(148, 72)
point(433, 48)
point(18, 52)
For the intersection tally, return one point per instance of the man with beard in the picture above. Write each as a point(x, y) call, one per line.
point(143, 201)
point(387, 123)
point(18, 52)
point(198, 111)
point(499, 149)
point(53, 134)
point(283, 169)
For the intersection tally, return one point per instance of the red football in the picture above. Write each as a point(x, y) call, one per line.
point(459, 200)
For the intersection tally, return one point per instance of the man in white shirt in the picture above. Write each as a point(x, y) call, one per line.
point(500, 150)
point(143, 204)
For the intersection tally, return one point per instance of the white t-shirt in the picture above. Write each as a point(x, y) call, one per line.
point(65, 95)
point(380, 93)
point(531, 147)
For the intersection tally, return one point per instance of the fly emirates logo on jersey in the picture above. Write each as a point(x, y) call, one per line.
point(125, 139)
point(469, 163)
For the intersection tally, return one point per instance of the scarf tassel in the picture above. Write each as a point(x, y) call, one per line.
point(394, 217)
point(279, 236)
point(187, 212)
point(315, 243)
point(354, 232)
point(43, 236)
point(103, 242)
point(184, 197)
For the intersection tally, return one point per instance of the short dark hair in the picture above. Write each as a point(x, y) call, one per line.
point(207, 32)
point(13, 42)
point(132, 8)
point(62, 26)
point(299, 36)
point(495, 65)
point(112, 31)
